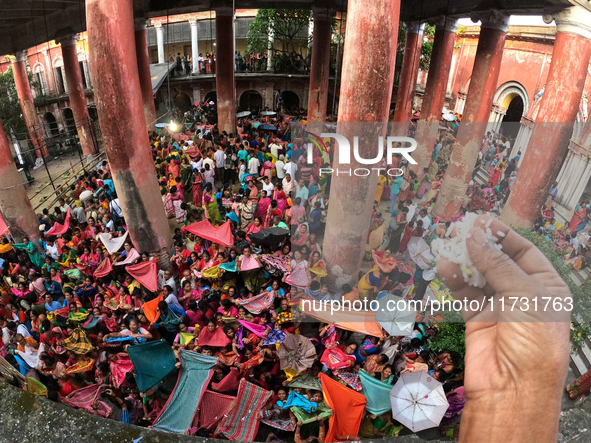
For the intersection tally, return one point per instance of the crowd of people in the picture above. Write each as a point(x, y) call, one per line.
point(75, 305)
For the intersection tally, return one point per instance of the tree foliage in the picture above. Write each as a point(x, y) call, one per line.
point(10, 108)
point(287, 26)
point(427, 47)
point(451, 336)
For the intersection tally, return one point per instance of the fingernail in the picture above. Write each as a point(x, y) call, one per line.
point(478, 237)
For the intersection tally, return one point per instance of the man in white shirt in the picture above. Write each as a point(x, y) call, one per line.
point(63, 205)
point(79, 214)
point(290, 168)
point(411, 212)
point(279, 167)
point(268, 187)
point(219, 158)
point(275, 149)
point(115, 207)
point(426, 221)
point(253, 166)
point(197, 165)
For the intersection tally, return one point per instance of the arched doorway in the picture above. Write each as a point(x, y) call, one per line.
point(70, 121)
point(511, 121)
point(51, 124)
point(182, 102)
point(251, 100)
point(291, 101)
point(211, 96)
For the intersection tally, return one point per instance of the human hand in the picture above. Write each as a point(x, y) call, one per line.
point(509, 352)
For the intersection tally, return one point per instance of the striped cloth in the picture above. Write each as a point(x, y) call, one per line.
point(181, 408)
point(259, 303)
point(80, 367)
point(377, 393)
point(242, 422)
point(214, 406)
point(83, 398)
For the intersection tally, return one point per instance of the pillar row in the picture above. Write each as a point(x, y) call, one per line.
point(483, 84)
point(120, 109)
point(15, 205)
point(76, 94)
point(25, 97)
point(556, 116)
point(435, 90)
point(407, 85)
point(366, 91)
point(224, 78)
point(145, 76)
point(320, 65)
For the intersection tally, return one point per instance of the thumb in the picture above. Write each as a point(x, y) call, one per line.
point(499, 270)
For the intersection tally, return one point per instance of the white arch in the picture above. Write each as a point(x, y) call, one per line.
point(82, 55)
point(58, 61)
point(510, 88)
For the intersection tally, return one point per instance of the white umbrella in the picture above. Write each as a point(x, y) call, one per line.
point(396, 322)
point(268, 113)
point(449, 117)
point(418, 401)
point(243, 114)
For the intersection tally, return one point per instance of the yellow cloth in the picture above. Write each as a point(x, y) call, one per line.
point(5, 248)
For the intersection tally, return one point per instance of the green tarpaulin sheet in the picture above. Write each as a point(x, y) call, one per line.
point(152, 362)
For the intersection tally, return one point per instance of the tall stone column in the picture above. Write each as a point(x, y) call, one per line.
point(194, 45)
point(483, 84)
point(15, 205)
point(76, 94)
point(270, 46)
point(319, 65)
point(25, 97)
point(366, 92)
point(556, 117)
point(111, 41)
point(160, 42)
point(407, 85)
point(224, 77)
point(143, 65)
point(434, 96)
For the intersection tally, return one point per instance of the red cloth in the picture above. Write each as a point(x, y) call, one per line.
point(146, 273)
point(3, 227)
point(104, 268)
point(337, 359)
point(58, 229)
point(213, 408)
point(204, 229)
point(193, 151)
point(230, 382)
point(217, 339)
point(347, 406)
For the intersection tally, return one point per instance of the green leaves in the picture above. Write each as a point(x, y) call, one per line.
point(450, 337)
point(10, 108)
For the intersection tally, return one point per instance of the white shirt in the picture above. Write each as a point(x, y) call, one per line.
point(219, 157)
point(163, 282)
point(287, 186)
point(290, 168)
point(426, 223)
point(411, 212)
point(172, 300)
point(198, 165)
point(114, 206)
point(279, 166)
point(80, 214)
point(52, 251)
point(268, 188)
point(274, 149)
point(253, 165)
point(86, 195)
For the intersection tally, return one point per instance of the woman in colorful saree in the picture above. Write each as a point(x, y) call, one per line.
point(370, 284)
point(210, 205)
point(317, 267)
point(29, 247)
point(579, 219)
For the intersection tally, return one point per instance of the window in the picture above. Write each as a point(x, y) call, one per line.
point(40, 79)
point(60, 76)
point(84, 70)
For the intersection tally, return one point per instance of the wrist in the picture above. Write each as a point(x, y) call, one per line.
point(530, 412)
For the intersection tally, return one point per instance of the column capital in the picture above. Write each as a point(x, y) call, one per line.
point(322, 12)
point(224, 11)
point(573, 20)
point(493, 19)
point(67, 40)
point(44, 51)
point(444, 23)
point(21, 56)
point(193, 22)
point(140, 23)
point(415, 27)
point(158, 26)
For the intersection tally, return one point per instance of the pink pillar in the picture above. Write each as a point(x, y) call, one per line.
point(25, 96)
point(76, 94)
point(554, 122)
point(15, 205)
point(408, 73)
point(435, 90)
point(143, 64)
point(483, 84)
point(224, 75)
point(319, 66)
point(366, 91)
point(120, 109)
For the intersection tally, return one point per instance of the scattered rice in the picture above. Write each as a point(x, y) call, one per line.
point(455, 249)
